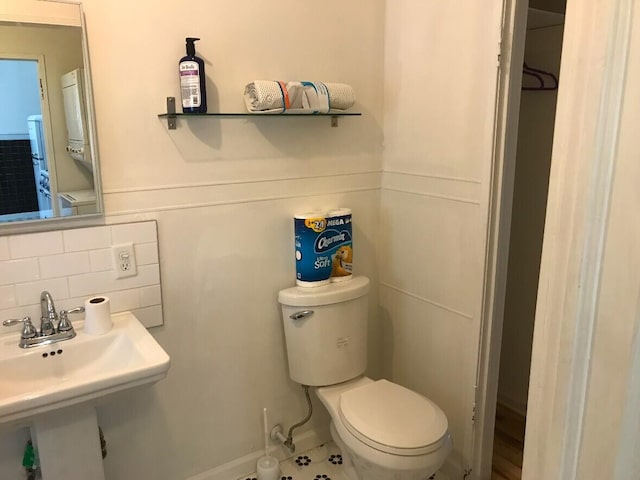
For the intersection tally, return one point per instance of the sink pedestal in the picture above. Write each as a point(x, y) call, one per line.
point(67, 442)
point(57, 394)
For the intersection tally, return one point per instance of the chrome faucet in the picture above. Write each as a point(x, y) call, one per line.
point(49, 316)
point(51, 331)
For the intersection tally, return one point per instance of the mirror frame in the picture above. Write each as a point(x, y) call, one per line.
point(71, 14)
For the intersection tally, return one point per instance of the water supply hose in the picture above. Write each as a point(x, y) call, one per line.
point(289, 441)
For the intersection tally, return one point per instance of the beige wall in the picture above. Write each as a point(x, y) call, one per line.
point(440, 86)
point(223, 193)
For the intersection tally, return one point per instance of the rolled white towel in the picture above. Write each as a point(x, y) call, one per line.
point(270, 96)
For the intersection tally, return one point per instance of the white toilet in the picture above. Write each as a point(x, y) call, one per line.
point(385, 431)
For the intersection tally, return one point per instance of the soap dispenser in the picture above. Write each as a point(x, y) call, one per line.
point(192, 80)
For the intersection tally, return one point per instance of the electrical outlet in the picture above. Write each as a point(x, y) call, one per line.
point(124, 260)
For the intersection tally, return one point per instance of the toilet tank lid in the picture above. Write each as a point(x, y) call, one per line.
point(326, 294)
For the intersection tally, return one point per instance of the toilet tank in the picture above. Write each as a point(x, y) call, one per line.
point(326, 331)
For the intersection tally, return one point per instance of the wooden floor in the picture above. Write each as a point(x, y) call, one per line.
point(508, 445)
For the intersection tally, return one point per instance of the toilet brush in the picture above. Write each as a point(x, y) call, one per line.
point(268, 467)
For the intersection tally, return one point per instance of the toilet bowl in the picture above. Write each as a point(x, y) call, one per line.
point(386, 431)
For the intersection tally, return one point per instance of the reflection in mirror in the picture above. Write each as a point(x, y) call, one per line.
point(47, 162)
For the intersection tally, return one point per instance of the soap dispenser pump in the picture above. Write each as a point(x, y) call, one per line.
point(192, 80)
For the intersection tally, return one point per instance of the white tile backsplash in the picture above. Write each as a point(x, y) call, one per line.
point(101, 260)
point(142, 232)
point(32, 311)
point(8, 297)
point(87, 238)
point(89, 284)
point(74, 265)
point(68, 304)
point(125, 300)
point(146, 253)
point(35, 244)
point(95, 283)
point(4, 248)
point(29, 293)
point(150, 296)
point(53, 266)
point(18, 271)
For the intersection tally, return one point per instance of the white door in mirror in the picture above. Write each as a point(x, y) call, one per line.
point(124, 260)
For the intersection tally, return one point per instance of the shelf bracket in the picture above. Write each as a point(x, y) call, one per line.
point(171, 113)
point(334, 120)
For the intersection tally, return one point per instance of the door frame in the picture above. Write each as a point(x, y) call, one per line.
point(514, 28)
point(593, 70)
point(46, 121)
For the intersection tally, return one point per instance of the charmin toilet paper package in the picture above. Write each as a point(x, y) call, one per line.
point(323, 247)
point(313, 268)
point(339, 221)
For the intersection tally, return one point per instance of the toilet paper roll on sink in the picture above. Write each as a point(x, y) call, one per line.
point(97, 316)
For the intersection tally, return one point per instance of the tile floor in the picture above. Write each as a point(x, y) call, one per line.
point(320, 463)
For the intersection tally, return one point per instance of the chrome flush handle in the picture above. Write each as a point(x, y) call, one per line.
point(300, 315)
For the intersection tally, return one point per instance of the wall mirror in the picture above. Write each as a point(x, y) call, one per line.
point(49, 171)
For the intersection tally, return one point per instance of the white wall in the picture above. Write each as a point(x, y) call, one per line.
point(440, 84)
point(223, 193)
point(535, 139)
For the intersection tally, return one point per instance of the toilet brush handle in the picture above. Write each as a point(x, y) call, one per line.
point(266, 432)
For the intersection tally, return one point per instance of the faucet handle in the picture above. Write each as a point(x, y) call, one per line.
point(28, 330)
point(65, 323)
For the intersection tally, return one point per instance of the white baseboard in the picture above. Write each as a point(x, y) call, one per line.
point(246, 465)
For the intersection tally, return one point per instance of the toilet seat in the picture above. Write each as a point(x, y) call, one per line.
point(393, 419)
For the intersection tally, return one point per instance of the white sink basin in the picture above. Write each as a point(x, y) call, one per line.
point(88, 368)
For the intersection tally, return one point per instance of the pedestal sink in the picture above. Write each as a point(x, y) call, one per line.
point(55, 388)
